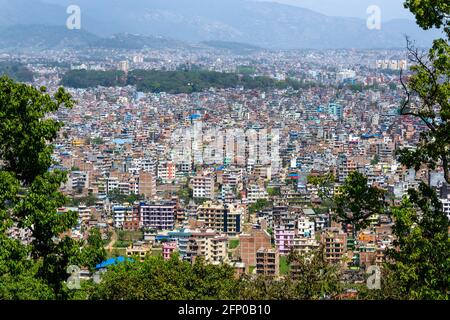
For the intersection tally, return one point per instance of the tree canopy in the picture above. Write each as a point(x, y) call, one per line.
point(30, 195)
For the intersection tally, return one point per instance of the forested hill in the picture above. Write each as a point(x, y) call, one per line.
point(172, 81)
point(16, 71)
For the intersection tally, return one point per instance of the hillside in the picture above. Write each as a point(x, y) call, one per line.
point(263, 24)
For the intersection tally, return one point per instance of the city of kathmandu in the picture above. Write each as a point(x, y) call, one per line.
point(243, 150)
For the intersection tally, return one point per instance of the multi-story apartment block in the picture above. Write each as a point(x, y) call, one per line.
point(304, 245)
point(334, 241)
point(207, 244)
point(203, 187)
point(446, 206)
point(367, 255)
point(346, 166)
point(306, 227)
point(249, 244)
point(167, 171)
point(168, 249)
point(217, 250)
point(267, 262)
point(112, 183)
point(159, 216)
point(79, 180)
point(255, 192)
point(124, 187)
point(284, 239)
point(146, 165)
point(181, 237)
point(121, 214)
point(84, 213)
point(147, 185)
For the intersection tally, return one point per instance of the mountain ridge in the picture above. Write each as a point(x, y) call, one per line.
point(262, 24)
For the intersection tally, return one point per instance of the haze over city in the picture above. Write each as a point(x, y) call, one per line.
point(231, 152)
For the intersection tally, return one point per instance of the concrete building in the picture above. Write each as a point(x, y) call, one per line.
point(268, 262)
point(255, 192)
point(207, 244)
point(168, 249)
point(284, 239)
point(217, 250)
point(167, 171)
point(123, 66)
point(203, 187)
point(249, 244)
point(334, 241)
point(138, 249)
point(220, 218)
point(147, 185)
point(159, 216)
point(446, 206)
point(121, 213)
point(79, 180)
point(306, 227)
point(84, 213)
point(304, 245)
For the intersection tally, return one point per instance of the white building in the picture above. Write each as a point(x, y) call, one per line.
point(203, 187)
point(254, 193)
point(124, 66)
point(306, 227)
point(121, 214)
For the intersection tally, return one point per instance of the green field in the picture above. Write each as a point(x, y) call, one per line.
point(233, 244)
point(130, 235)
point(284, 265)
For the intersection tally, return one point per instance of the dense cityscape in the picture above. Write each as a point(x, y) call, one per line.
point(231, 155)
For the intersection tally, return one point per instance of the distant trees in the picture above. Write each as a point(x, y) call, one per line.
point(16, 71)
point(91, 78)
point(258, 206)
point(185, 193)
point(89, 200)
point(156, 279)
point(97, 141)
point(310, 278)
point(116, 196)
point(180, 81)
point(274, 191)
point(356, 201)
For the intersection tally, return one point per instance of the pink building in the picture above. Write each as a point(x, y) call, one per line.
point(284, 240)
point(168, 249)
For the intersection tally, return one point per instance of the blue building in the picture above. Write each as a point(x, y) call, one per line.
point(336, 109)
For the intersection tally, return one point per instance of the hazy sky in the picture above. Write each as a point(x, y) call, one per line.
point(390, 9)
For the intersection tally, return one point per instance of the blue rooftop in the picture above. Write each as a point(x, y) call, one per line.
point(111, 262)
point(368, 136)
point(195, 116)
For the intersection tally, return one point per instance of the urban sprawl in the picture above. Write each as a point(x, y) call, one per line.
point(223, 173)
